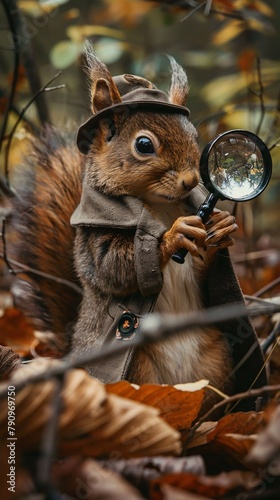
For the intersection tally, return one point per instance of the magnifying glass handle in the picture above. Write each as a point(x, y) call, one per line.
point(205, 209)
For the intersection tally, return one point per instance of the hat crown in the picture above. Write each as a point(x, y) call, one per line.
point(136, 89)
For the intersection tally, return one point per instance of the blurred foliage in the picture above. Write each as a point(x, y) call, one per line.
point(229, 49)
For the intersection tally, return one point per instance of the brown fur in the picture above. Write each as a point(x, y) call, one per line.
point(47, 192)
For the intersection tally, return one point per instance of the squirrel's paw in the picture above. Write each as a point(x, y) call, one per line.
point(219, 227)
point(178, 237)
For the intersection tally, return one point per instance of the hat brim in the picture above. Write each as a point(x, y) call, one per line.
point(88, 129)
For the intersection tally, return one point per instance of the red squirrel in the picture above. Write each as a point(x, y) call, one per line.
point(133, 184)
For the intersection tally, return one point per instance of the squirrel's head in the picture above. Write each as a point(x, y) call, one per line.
point(139, 140)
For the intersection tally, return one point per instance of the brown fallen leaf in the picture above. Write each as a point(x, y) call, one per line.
point(199, 437)
point(267, 445)
point(236, 445)
point(209, 486)
point(16, 331)
point(171, 493)
point(91, 422)
point(233, 434)
point(179, 405)
point(244, 423)
point(84, 478)
point(140, 471)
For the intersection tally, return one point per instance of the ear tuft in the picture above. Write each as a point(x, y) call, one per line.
point(103, 90)
point(179, 88)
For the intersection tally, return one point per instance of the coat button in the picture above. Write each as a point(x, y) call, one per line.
point(127, 326)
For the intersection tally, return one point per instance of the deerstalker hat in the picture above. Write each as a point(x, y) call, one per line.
point(137, 94)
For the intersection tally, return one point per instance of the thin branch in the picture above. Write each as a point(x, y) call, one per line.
point(49, 442)
point(153, 327)
point(30, 270)
point(251, 298)
point(208, 7)
point(45, 88)
point(3, 239)
point(12, 14)
point(6, 190)
point(268, 287)
point(195, 9)
point(260, 95)
point(274, 124)
point(272, 337)
point(259, 254)
point(276, 143)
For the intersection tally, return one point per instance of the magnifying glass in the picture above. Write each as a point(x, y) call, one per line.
point(235, 166)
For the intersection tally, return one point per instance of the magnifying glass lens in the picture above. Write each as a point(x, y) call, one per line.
point(236, 166)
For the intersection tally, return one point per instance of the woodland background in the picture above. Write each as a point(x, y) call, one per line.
point(230, 50)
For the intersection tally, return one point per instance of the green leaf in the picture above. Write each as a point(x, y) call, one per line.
point(65, 53)
point(109, 50)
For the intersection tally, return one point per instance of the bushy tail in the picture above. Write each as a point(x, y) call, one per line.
point(48, 189)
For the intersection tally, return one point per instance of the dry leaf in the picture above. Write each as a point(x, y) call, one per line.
point(84, 478)
point(79, 32)
point(178, 407)
point(126, 12)
point(236, 445)
point(140, 471)
point(16, 331)
point(200, 436)
point(229, 31)
point(171, 493)
point(210, 486)
point(267, 445)
point(91, 423)
point(238, 423)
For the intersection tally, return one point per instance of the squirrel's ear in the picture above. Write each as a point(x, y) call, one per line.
point(179, 88)
point(103, 90)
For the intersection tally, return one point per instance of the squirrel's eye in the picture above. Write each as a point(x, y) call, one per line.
point(144, 146)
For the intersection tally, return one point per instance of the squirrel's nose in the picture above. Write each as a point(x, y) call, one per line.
point(189, 182)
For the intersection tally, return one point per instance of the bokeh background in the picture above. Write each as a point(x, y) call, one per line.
point(230, 50)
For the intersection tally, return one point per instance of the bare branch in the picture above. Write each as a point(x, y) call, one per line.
point(12, 14)
point(30, 270)
point(45, 88)
point(260, 95)
point(154, 327)
point(3, 238)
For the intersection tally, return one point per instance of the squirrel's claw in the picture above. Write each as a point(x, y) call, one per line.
point(219, 228)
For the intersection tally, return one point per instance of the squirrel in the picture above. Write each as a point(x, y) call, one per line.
point(131, 190)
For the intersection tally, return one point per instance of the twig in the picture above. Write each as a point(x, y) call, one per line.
point(45, 88)
point(49, 442)
point(260, 95)
point(3, 239)
point(274, 124)
point(268, 287)
point(274, 144)
point(259, 254)
point(12, 14)
point(271, 337)
point(195, 9)
point(208, 7)
point(30, 270)
point(154, 327)
point(251, 298)
point(6, 190)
